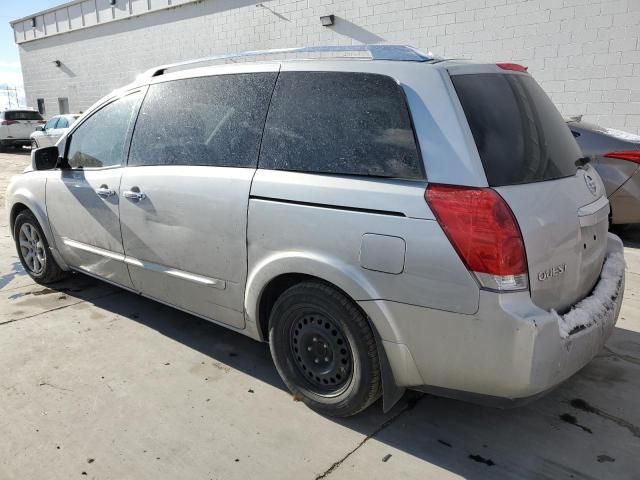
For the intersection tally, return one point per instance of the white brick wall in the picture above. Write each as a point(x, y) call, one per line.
point(585, 53)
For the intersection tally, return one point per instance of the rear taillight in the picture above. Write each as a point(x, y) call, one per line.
point(41, 121)
point(513, 66)
point(484, 232)
point(8, 122)
point(629, 155)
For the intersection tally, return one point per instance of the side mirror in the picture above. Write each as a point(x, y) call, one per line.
point(45, 158)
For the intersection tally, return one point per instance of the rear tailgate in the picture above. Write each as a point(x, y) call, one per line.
point(529, 157)
point(564, 227)
point(22, 123)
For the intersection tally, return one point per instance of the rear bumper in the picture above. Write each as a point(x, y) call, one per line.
point(15, 141)
point(510, 349)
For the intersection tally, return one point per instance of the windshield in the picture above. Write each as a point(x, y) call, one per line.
point(520, 135)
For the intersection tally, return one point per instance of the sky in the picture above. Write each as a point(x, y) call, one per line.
point(10, 74)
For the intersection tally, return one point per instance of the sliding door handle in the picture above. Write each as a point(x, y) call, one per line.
point(133, 195)
point(105, 191)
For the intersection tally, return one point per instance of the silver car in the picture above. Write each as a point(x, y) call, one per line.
point(616, 157)
point(49, 133)
point(398, 222)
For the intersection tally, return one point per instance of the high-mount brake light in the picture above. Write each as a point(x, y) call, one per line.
point(484, 232)
point(513, 66)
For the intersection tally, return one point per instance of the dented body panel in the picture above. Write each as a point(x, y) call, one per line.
point(530, 350)
point(377, 240)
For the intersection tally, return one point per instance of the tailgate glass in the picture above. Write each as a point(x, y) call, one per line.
point(520, 135)
point(18, 115)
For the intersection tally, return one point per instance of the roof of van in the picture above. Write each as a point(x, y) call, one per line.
point(401, 53)
point(18, 109)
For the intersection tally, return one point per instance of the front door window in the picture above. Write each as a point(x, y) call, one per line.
point(99, 141)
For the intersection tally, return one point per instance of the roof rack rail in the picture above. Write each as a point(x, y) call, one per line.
point(403, 53)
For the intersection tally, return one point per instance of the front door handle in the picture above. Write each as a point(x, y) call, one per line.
point(105, 191)
point(134, 195)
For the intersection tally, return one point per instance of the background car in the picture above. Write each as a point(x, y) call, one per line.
point(616, 157)
point(50, 132)
point(16, 126)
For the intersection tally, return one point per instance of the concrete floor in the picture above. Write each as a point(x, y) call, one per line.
point(100, 383)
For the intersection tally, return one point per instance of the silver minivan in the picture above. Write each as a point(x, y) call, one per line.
point(400, 221)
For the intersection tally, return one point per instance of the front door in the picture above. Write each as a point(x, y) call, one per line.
point(61, 127)
point(44, 140)
point(185, 191)
point(82, 198)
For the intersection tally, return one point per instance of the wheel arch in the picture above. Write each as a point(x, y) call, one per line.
point(277, 287)
point(15, 211)
point(22, 200)
point(280, 271)
point(274, 276)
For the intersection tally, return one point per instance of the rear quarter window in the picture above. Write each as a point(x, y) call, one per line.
point(520, 135)
point(340, 123)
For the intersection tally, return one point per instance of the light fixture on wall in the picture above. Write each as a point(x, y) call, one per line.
point(327, 20)
point(57, 63)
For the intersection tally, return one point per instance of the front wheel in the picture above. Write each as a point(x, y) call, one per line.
point(324, 349)
point(33, 250)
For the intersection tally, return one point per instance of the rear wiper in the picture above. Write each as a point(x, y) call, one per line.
point(582, 161)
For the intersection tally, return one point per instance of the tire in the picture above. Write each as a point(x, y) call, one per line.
point(324, 350)
point(33, 250)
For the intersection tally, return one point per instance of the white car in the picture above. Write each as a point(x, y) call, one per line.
point(49, 134)
point(17, 125)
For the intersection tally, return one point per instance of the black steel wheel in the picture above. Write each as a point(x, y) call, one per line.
point(324, 349)
point(322, 353)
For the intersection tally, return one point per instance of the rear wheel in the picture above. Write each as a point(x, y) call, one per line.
point(324, 349)
point(33, 250)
